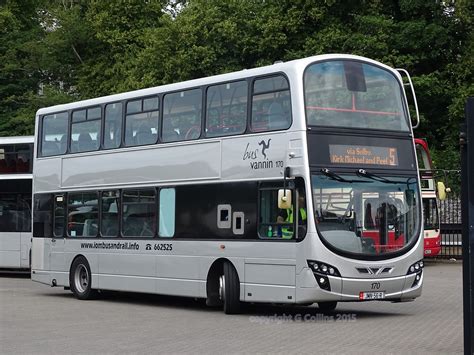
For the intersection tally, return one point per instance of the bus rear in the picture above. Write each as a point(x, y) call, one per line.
point(431, 221)
point(15, 202)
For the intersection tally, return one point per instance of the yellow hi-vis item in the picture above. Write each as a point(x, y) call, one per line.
point(288, 234)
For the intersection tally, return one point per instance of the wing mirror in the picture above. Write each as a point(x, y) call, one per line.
point(284, 199)
point(442, 190)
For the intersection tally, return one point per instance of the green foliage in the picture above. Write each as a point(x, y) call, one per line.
point(86, 48)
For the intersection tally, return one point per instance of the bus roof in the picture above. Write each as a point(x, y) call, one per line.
point(298, 64)
point(17, 140)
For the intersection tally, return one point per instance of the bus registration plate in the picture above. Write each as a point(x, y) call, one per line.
point(372, 295)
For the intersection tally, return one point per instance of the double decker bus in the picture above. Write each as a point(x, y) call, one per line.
point(16, 159)
point(292, 183)
point(431, 221)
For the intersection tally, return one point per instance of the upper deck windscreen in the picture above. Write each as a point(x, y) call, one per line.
point(352, 94)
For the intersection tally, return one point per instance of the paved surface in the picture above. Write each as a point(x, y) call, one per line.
point(37, 319)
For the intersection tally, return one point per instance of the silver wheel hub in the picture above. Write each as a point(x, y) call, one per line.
point(222, 287)
point(81, 278)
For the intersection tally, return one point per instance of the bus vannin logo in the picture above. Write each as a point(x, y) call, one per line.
point(265, 146)
point(148, 247)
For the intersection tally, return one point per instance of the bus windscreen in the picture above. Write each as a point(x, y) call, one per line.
point(350, 94)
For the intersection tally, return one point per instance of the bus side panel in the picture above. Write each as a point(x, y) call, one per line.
point(195, 161)
point(25, 249)
point(120, 271)
point(178, 275)
point(40, 267)
point(269, 280)
point(47, 175)
point(10, 249)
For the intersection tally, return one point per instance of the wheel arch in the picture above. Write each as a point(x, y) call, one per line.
point(75, 258)
point(212, 280)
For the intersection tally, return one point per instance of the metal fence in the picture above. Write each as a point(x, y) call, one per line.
point(450, 216)
point(451, 227)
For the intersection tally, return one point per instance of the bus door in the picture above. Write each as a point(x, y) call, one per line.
point(56, 250)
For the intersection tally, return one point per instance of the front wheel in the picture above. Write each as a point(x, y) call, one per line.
point(327, 306)
point(229, 289)
point(80, 279)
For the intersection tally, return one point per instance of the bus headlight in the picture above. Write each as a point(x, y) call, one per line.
point(416, 268)
point(321, 271)
point(323, 268)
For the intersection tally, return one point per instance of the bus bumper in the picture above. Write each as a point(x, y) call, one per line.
point(393, 289)
point(41, 276)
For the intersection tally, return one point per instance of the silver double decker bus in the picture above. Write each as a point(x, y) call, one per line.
point(16, 163)
point(293, 183)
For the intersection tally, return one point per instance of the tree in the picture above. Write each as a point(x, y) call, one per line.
point(86, 48)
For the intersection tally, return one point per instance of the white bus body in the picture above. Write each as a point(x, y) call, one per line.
point(15, 202)
point(212, 232)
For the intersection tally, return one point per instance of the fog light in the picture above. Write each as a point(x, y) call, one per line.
point(417, 279)
point(323, 282)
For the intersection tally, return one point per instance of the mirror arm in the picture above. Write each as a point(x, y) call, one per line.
point(286, 174)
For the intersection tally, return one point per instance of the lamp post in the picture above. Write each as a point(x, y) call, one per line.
point(466, 140)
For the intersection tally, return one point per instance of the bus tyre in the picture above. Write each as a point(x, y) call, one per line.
point(327, 306)
point(80, 279)
point(229, 289)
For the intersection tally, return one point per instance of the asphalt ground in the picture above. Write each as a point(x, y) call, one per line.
point(38, 319)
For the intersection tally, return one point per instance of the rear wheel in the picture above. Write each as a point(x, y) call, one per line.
point(327, 306)
point(229, 289)
point(80, 279)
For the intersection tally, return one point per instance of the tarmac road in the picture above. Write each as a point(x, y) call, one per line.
point(37, 319)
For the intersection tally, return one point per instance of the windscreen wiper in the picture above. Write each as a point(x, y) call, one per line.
point(334, 176)
point(375, 177)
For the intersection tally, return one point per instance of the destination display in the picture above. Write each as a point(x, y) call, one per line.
point(363, 155)
point(361, 151)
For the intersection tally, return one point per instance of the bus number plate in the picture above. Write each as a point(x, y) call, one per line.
point(371, 295)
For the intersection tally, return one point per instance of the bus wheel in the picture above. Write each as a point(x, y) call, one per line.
point(229, 289)
point(80, 279)
point(327, 306)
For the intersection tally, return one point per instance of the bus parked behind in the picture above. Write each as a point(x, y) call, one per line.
point(16, 159)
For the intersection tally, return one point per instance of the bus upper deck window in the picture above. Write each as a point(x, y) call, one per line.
point(226, 109)
point(182, 115)
point(113, 125)
point(54, 134)
point(141, 121)
point(271, 108)
point(85, 130)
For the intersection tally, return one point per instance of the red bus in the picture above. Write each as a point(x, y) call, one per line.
point(432, 234)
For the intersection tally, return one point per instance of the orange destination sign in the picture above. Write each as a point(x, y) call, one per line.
point(363, 155)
